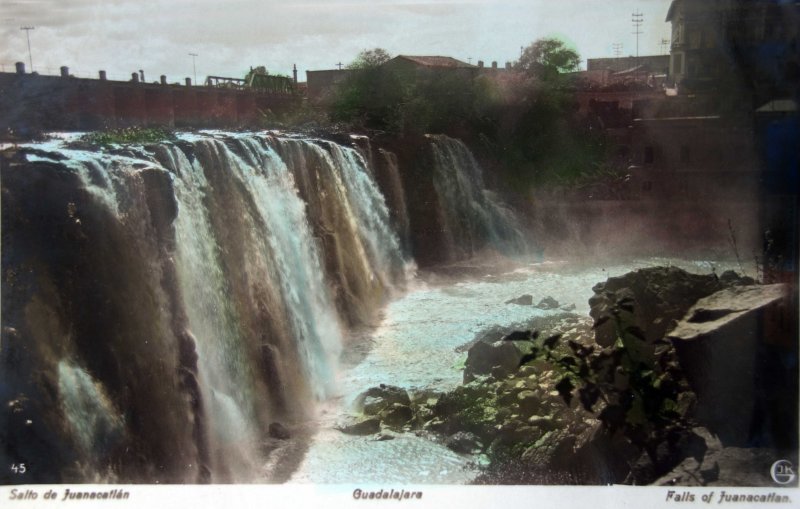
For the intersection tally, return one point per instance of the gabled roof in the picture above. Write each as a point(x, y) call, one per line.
point(434, 61)
point(671, 11)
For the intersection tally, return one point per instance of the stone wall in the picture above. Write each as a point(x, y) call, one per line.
point(30, 103)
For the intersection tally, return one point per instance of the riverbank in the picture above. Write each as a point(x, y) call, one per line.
point(512, 416)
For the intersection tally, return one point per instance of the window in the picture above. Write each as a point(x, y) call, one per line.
point(649, 155)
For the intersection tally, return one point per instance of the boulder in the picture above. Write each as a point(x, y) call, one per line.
point(522, 300)
point(506, 355)
point(655, 297)
point(368, 426)
point(528, 403)
point(548, 303)
point(731, 278)
point(376, 399)
point(518, 335)
point(463, 442)
point(723, 345)
point(396, 416)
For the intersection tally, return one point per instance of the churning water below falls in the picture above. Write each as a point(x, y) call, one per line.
point(417, 346)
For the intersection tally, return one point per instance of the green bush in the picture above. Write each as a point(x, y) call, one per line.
point(128, 135)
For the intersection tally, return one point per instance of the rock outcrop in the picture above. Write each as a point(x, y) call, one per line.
point(656, 296)
point(722, 345)
point(522, 300)
point(556, 402)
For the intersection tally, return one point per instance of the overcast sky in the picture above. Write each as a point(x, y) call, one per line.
point(122, 36)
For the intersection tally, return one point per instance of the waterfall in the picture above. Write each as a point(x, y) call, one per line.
point(187, 295)
point(163, 305)
point(473, 218)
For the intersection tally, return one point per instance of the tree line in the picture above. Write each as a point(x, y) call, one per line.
point(525, 119)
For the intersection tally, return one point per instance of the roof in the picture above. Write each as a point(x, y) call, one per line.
point(632, 70)
point(434, 61)
point(671, 11)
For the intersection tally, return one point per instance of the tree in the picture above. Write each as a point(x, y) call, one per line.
point(370, 58)
point(254, 71)
point(548, 57)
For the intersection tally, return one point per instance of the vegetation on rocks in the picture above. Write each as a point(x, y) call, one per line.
point(128, 135)
point(580, 400)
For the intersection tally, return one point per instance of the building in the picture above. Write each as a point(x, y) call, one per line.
point(655, 63)
point(746, 43)
point(322, 84)
point(693, 158)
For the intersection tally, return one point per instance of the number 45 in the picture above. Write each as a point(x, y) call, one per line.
point(18, 468)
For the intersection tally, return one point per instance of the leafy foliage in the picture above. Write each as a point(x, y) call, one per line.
point(630, 392)
point(370, 58)
point(525, 121)
point(548, 57)
point(128, 135)
point(260, 70)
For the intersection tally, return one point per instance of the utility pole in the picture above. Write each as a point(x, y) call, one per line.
point(617, 47)
point(194, 66)
point(28, 34)
point(637, 18)
point(339, 65)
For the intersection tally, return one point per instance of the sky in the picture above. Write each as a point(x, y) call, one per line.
point(157, 36)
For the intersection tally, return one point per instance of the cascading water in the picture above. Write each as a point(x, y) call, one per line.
point(181, 298)
point(472, 217)
point(165, 305)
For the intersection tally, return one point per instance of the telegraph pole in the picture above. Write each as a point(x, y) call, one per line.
point(28, 34)
point(617, 47)
point(194, 67)
point(637, 18)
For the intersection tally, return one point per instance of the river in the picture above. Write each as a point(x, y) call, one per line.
point(416, 346)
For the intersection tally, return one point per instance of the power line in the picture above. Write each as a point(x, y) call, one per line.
point(28, 34)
